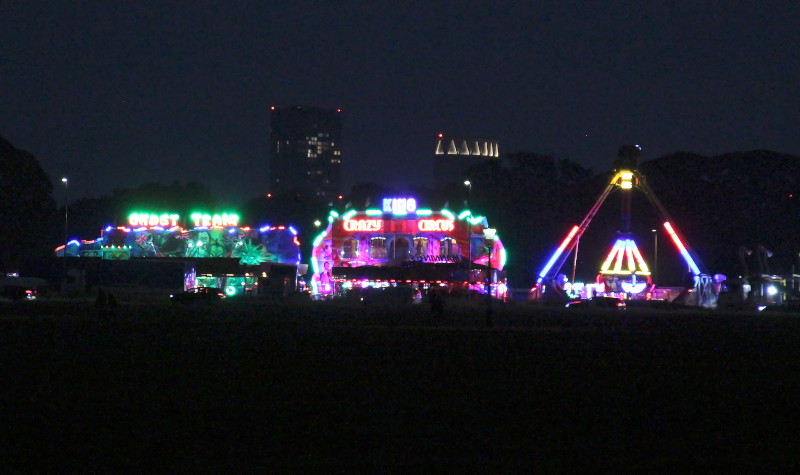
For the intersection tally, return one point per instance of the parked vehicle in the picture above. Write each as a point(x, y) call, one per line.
point(611, 303)
point(17, 293)
point(16, 288)
point(198, 295)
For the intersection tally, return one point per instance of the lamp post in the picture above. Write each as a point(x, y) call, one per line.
point(468, 184)
point(65, 181)
point(655, 255)
point(488, 235)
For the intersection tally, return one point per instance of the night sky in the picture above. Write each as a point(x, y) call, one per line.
point(117, 94)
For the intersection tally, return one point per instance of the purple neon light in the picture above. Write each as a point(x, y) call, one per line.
point(634, 287)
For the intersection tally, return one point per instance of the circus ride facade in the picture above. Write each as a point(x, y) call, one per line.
point(402, 246)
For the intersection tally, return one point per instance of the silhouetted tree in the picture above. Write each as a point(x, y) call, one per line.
point(89, 215)
point(29, 229)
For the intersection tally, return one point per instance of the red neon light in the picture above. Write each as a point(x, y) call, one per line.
point(674, 237)
point(365, 225)
point(681, 248)
point(428, 225)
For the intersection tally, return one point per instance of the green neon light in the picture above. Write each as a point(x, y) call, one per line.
point(334, 214)
point(153, 219)
point(424, 212)
point(464, 214)
point(216, 220)
point(374, 212)
point(475, 219)
point(349, 214)
point(321, 237)
point(448, 214)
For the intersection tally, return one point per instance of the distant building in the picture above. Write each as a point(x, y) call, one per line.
point(454, 156)
point(305, 150)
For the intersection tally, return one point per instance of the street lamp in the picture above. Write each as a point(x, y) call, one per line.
point(65, 181)
point(655, 255)
point(488, 235)
point(468, 184)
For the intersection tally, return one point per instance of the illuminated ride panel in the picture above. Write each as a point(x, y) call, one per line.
point(400, 244)
point(624, 271)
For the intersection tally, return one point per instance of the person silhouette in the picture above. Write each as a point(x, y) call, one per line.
point(112, 304)
point(437, 304)
point(101, 303)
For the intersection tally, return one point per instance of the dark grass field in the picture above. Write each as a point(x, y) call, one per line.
point(283, 387)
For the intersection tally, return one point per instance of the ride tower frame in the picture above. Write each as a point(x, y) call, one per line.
point(626, 178)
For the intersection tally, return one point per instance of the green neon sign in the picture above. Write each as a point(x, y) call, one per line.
point(214, 220)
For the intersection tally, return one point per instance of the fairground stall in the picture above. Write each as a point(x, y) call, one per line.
point(401, 245)
point(214, 249)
